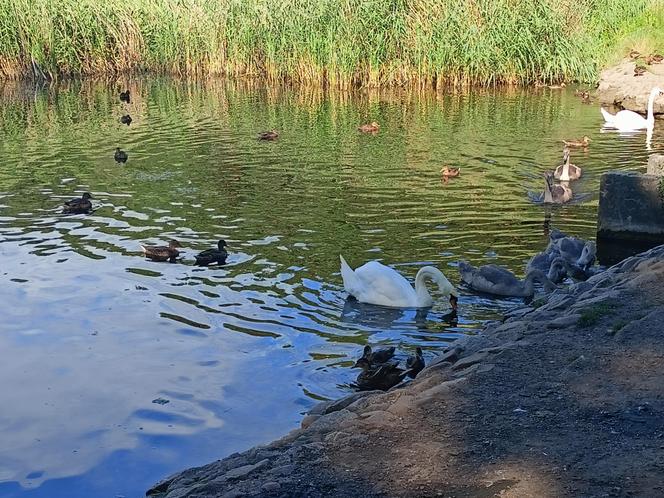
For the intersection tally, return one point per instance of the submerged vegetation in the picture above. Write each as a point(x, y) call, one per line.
point(338, 43)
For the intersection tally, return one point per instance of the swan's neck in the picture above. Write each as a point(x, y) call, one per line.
point(534, 276)
point(547, 192)
point(651, 108)
point(444, 285)
point(565, 175)
point(423, 296)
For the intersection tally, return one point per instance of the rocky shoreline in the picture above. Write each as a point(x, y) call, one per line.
point(619, 87)
point(565, 397)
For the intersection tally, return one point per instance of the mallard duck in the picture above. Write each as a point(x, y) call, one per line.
point(210, 256)
point(450, 172)
point(555, 193)
point(120, 155)
point(656, 59)
point(584, 142)
point(383, 376)
point(268, 135)
point(584, 94)
point(640, 70)
point(380, 356)
point(124, 96)
point(567, 171)
point(415, 363)
point(126, 119)
point(560, 268)
point(372, 127)
point(634, 54)
point(162, 253)
point(79, 205)
point(558, 86)
point(493, 279)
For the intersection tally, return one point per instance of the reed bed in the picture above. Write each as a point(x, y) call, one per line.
point(339, 43)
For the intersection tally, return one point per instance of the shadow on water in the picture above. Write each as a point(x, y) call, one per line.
point(93, 333)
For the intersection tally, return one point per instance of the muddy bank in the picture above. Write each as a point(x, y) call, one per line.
point(564, 399)
point(618, 86)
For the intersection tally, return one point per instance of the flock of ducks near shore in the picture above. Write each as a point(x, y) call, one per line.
point(375, 283)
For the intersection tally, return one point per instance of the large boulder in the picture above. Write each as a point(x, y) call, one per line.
point(618, 86)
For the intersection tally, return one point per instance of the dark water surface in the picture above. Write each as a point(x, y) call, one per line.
point(91, 333)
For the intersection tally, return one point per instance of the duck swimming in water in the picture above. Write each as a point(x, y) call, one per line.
point(120, 156)
point(126, 119)
point(79, 205)
point(383, 376)
point(124, 96)
point(162, 253)
point(372, 127)
point(210, 256)
point(379, 356)
point(268, 135)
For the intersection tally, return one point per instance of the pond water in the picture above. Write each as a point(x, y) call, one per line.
point(92, 333)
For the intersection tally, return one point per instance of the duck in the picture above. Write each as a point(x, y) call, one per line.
point(640, 70)
point(372, 127)
point(584, 142)
point(450, 172)
point(499, 281)
point(120, 156)
point(79, 205)
point(626, 120)
point(268, 135)
point(382, 377)
point(210, 256)
point(584, 94)
point(655, 58)
point(555, 193)
point(579, 252)
point(634, 54)
point(375, 283)
point(380, 356)
point(162, 253)
point(126, 119)
point(124, 96)
point(415, 363)
point(557, 87)
point(567, 171)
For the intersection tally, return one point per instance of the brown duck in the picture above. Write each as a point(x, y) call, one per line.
point(450, 172)
point(162, 253)
point(268, 135)
point(383, 376)
point(640, 70)
point(584, 142)
point(372, 127)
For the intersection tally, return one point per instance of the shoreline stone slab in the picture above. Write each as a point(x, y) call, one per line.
point(619, 87)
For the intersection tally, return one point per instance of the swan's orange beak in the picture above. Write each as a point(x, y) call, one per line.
point(453, 302)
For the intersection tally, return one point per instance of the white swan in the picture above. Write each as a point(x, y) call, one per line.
point(629, 120)
point(375, 283)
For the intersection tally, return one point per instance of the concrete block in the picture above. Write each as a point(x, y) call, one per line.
point(656, 165)
point(631, 206)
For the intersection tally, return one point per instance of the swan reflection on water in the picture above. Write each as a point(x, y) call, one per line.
point(383, 317)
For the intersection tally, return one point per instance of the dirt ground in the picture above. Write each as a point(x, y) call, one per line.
point(564, 399)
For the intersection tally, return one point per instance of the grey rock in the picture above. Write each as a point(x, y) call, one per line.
point(450, 356)
point(564, 321)
point(655, 165)
point(270, 487)
point(618, 86)
point(469, 360)
point(245, 470)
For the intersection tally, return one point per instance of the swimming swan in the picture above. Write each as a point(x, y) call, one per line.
point(567, 171)
point(493, 279)
point(375, 283)
point(629, 120)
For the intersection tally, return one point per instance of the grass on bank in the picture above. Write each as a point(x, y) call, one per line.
point(340, 43)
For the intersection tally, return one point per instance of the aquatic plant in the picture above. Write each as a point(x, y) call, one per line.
point(337, 43)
